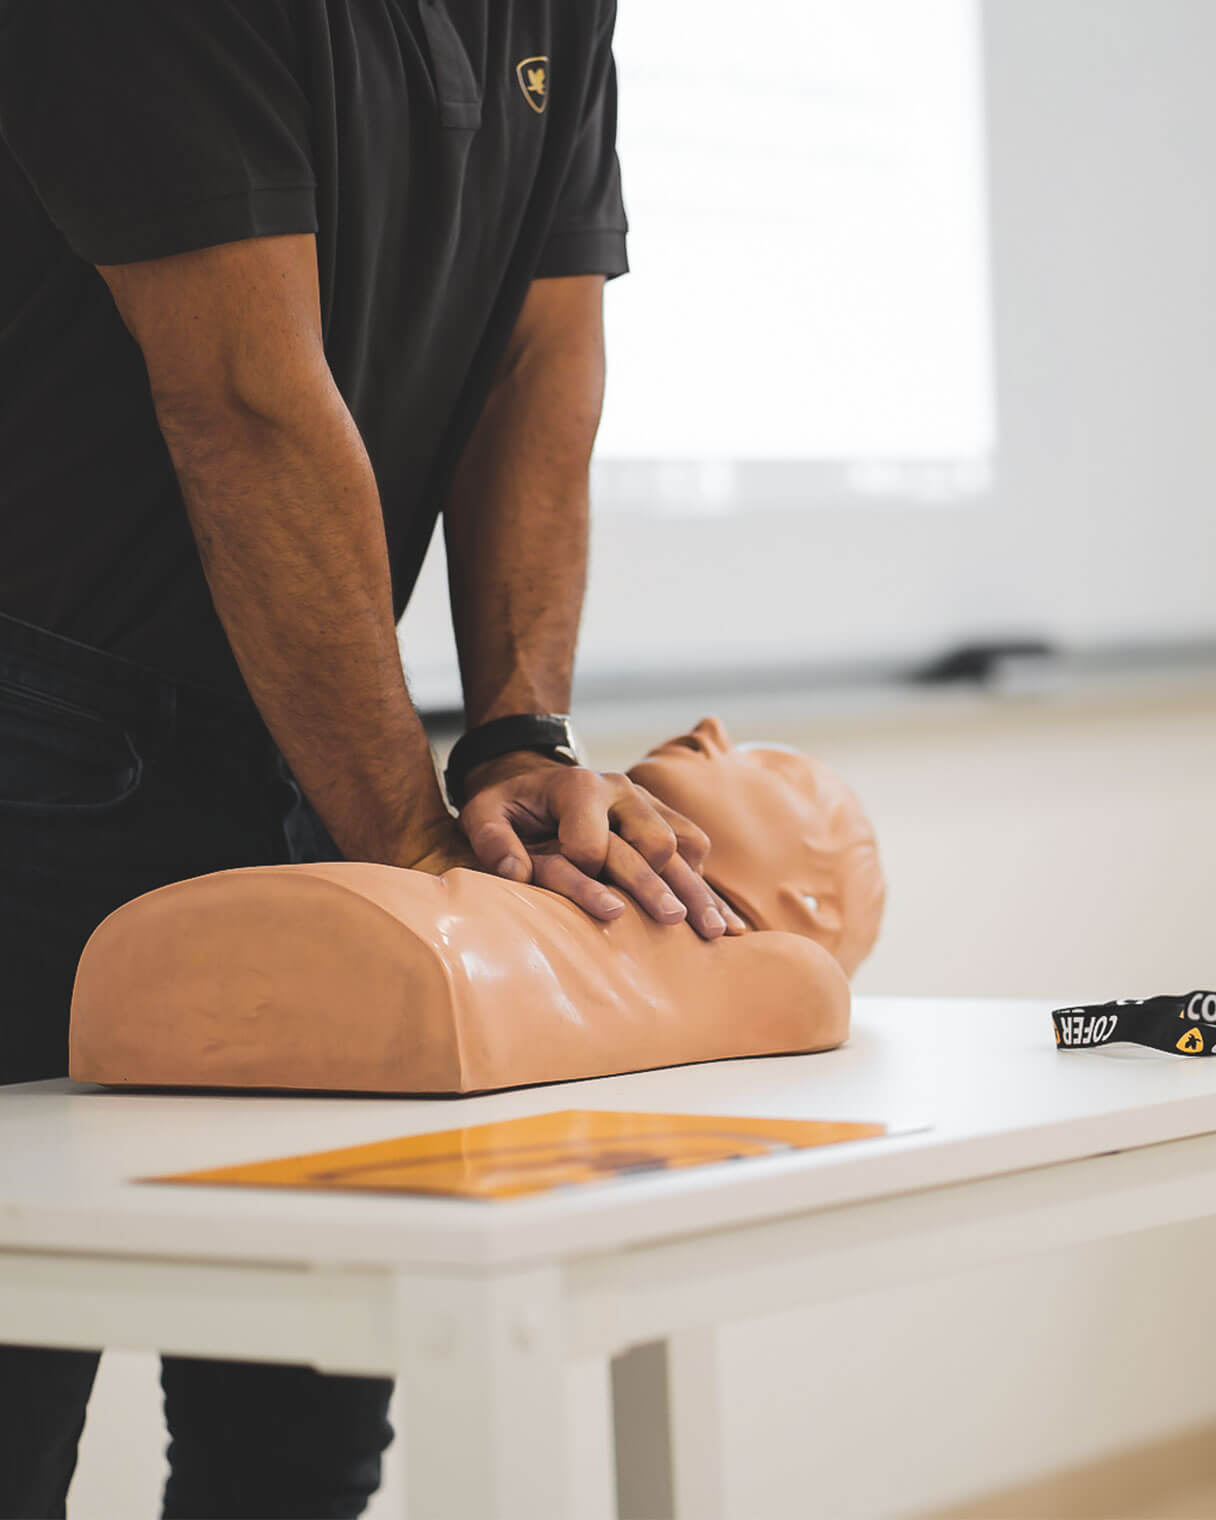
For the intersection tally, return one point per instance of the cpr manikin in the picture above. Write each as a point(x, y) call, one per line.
point(358, 977)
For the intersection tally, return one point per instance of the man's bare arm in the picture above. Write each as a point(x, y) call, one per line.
point(286, 513)
point(516, 530)
point(515, 519)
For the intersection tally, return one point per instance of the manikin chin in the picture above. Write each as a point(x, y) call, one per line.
point(369, 978)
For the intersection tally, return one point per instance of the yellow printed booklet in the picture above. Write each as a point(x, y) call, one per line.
point(515, 1157)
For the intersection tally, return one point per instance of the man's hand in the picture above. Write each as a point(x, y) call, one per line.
point(571, 829)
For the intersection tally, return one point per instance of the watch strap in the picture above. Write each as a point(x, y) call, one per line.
point(550, 733)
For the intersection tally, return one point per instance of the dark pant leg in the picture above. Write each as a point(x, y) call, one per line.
point(253, 1441)
point(43, 1394)
point(113, 783)
point(94, 809)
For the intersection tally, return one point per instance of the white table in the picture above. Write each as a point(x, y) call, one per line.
point(501, 1319)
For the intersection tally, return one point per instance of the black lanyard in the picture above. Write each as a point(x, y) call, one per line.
point(1185, 1025)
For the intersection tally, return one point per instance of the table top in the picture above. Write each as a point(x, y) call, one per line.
point(981, 1078)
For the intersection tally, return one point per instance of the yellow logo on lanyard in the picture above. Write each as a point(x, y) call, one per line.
point(533, 76)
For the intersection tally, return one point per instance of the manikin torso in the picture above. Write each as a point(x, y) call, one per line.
point(358, 977)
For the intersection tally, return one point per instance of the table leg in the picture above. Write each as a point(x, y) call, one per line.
point(592, 1454)
point(669, 1429)
point(485, 1396)
point(694, 1393)
point(641, 1424)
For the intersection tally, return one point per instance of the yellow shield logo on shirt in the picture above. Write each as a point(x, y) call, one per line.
point(533, 76)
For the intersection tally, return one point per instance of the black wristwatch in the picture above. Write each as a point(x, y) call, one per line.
point(550, 733)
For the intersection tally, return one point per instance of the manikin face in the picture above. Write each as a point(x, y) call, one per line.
point(790, 847)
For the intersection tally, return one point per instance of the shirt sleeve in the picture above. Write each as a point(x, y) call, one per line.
point(588, 235)
point(152, 127)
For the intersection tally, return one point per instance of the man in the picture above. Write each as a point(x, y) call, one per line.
point(280, 280)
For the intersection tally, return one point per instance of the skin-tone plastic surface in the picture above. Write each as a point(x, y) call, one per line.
point(369, 978)
point(791, 847)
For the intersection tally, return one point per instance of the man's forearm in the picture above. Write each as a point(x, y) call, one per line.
point(516, 527)
point(516, 524)
point(288, 522)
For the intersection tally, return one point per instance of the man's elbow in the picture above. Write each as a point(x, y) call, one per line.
point(195, 404)
point(230, 335)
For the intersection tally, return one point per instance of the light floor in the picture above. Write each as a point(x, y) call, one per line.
point(1171, 1480)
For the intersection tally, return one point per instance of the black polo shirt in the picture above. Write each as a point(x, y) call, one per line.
point(445, 153)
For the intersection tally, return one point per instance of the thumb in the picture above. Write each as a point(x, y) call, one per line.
point(495, 843)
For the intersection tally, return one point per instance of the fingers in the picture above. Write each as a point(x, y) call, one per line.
point(734, 924)
point(637, 819)
point(675, 893)
point(627, 869)
point(691, 841)
point(648, 849)
point(705, 908)
point(676, 850)
point(561, 875)
point(495, 843)
point(581, 805)
point(591, 807)
point(607, 827)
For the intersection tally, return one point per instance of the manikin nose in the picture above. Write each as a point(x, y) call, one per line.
point(710, 733)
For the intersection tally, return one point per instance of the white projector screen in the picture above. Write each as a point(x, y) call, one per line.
point(918, 343)
point(809, 284)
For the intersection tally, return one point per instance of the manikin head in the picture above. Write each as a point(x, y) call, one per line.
point(350, 976)
point(790, 846)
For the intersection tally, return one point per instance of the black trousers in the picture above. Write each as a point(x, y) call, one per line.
point(115, 780)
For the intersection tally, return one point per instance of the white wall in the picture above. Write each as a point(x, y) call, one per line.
point(1102, 159)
